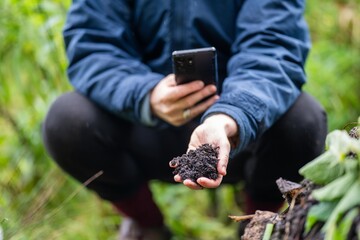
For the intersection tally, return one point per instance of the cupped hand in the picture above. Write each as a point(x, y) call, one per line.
point(219, 130)
point(177, 104)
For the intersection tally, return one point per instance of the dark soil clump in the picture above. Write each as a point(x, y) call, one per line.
point(201, 162)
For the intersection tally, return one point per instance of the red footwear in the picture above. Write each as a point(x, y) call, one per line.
point(141, 207)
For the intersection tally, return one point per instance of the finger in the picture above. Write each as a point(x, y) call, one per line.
point(202, 107)
point(177, 178)
point(184, 116)
point(196, 97)
point(169, 80)
point(192, 185)
point(183, 90)
point(223, 159)
point(209, 183)
point(205, 92)
point(173, 164)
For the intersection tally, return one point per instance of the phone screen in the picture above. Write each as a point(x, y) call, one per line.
point(195, 64)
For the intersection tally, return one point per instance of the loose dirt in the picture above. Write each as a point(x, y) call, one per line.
point(201, 162)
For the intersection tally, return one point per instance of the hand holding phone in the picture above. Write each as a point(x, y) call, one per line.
point(195, 64)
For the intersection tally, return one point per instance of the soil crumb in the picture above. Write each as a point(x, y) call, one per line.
point(201, 162)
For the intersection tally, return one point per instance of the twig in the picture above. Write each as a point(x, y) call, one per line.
point(40, 201)
point(242, 218)
point(87, 182)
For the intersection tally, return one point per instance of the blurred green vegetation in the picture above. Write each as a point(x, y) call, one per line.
point(38, 201)
point(333, 66)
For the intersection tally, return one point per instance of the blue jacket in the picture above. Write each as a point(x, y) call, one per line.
point(118, 50)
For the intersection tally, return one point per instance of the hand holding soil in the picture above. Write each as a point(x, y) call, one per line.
point(196, 164)
point(220, 130)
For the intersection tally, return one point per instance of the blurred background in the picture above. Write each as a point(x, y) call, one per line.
point(38, 201)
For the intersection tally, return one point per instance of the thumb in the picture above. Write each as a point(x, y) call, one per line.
point(223, 159)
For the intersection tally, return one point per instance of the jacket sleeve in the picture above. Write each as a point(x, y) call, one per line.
point(104, 58)
point(266, 71)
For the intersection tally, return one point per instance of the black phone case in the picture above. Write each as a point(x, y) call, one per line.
point(195, 64)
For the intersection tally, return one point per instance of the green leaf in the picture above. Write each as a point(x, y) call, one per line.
point(350, 200)
point(323, 169)
point(318, 213)
point(342, 231)
point(335, 189)
point(352, 166)
point(268, 231)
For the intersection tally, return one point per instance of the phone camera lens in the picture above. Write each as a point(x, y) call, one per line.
point(190, 61)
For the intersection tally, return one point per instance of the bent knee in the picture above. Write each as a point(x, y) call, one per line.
point(66, 113)
point(304, 127)
point(67, 116)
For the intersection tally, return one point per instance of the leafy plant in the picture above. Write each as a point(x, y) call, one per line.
point(337, 172)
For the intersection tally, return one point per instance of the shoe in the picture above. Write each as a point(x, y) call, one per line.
point(130, 230)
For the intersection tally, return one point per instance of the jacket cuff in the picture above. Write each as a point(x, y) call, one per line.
point(146, 116)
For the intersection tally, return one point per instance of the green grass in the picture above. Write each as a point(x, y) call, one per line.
point(38, 201)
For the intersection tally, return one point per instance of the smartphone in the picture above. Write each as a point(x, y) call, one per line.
point(195, 64)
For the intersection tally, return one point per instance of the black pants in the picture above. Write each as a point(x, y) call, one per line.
point(84, 139)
